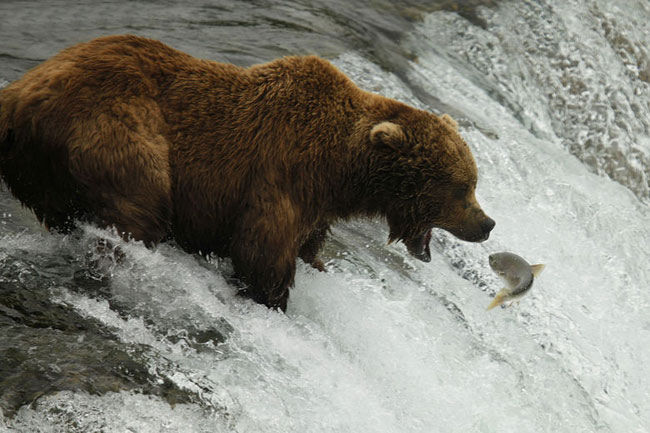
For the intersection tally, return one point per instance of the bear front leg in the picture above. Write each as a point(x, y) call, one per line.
point(264, 257)
point(269, 285)
point(312, 246)
point(267, 277)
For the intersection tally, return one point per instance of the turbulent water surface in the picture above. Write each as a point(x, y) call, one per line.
point(553, 98)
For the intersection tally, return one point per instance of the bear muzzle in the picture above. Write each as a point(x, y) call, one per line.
point(478, 231)
point(486, 226)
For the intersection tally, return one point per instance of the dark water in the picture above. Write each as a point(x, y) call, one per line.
point(552, 97)
point(243, 33)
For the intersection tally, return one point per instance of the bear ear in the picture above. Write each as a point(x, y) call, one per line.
point(449, 121)
point(389, 134)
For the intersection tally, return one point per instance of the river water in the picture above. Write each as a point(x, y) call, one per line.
point(552, 97)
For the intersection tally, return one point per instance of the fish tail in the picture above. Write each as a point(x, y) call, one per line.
point(536, 269)
point(499, 299)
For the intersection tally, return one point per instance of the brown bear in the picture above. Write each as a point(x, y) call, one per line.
point(251, 163)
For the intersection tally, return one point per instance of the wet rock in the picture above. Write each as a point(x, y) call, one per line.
point(39, 362)
point(202, 340)
point(47, 347)
point(468, 9)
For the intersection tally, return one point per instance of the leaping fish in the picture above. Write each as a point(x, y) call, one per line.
point(517, 274)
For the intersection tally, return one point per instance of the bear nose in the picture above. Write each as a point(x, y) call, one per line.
point(487, 225)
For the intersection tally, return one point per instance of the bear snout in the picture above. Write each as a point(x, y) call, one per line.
point(481, 231)
point(487, 225)
point(476, 229)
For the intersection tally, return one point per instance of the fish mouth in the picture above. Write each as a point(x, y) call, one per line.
point(418, 246)
point(492, 260)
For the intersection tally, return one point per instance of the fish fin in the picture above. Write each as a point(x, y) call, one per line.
point(499, 299)
point(536, 269)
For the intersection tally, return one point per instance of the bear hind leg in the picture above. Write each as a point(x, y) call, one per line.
point(123, 168)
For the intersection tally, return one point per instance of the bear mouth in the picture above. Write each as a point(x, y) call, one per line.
point(471, 237)
point(419, 248)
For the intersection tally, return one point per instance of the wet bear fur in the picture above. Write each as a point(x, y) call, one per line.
point(250, 163)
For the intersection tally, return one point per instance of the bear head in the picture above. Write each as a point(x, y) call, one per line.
point(425, 177)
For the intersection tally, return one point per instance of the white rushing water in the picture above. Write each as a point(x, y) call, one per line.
point(384, 343)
